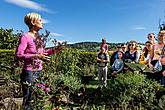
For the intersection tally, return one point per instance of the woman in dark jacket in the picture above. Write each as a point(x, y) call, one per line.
point(132, 55)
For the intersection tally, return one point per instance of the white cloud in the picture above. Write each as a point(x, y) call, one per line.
point(56, 34)
point(139, 28)
point(29, 4)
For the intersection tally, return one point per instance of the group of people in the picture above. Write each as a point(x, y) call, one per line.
point(152, 55)
point(31, 50)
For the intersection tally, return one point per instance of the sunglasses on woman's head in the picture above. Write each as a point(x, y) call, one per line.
point(131, 45)
point(148, 44)
point(151, 36)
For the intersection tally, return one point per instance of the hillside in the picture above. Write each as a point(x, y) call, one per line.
point(92, 46)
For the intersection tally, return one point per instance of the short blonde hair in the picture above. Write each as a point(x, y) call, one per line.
point(162, 32)
point(30, 18)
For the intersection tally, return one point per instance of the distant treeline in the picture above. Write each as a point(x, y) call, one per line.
point(94, 46)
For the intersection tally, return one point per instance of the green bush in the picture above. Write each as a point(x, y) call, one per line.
point(7, 64)
point(70, 81)
point(130, 91)
point(66, 62)
point(87, 58)
point(73, 62)
point(8, 40)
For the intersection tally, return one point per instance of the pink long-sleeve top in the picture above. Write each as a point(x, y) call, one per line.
point(26, 51)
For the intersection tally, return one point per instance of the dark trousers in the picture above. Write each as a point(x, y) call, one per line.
point(158, 76)
point(28, 79)
point(162, 77)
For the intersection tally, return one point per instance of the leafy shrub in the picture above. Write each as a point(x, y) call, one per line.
point(161, 103)
point(131, 90)
point(73, 61)
point(70, 81)
point(66, 61)
point(7, 64)
point(8, 40)
point(87, 58)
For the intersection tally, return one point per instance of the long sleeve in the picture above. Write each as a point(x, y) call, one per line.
point(121, 67)
point(137, 56)
point(118, 65)
point(23, 43)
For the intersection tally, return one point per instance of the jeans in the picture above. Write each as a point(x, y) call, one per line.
point(27, 80)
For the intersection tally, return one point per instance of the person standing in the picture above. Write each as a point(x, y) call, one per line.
point(104, 45)
point(158, 55)
point(102, 60)
point(31, 51)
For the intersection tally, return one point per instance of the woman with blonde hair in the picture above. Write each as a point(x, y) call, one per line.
point(31, 51)
point(156, 51)
point(157, 55)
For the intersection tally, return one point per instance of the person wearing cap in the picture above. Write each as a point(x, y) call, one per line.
point(102, 61)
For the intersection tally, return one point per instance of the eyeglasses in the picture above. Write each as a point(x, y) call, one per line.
point(149, 37)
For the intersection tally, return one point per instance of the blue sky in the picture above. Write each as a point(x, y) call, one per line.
point(88, 20)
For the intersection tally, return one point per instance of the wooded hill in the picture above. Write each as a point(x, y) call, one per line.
point(94, 46)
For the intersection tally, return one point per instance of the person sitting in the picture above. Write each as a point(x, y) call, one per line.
point(124, 47)
point(151, 38)
point(118, 65)
point(132, 55)
point(144, 58)
point(115, 55)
